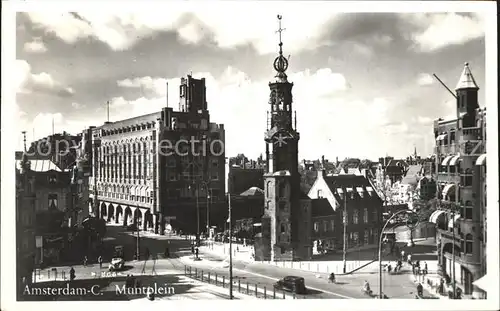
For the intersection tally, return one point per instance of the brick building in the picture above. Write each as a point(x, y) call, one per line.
point(25, 224)
point(332, 195)
point(461, 178)
point(167, 166)
point(287, 210)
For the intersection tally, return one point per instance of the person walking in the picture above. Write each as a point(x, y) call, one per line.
point(409, 259)
point(420, 290)
point(403, 255)
point(85, 261)
point(332, 278)
point(425, 268)
point(100, 262)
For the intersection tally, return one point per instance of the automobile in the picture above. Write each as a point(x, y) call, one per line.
point(294, 284)
point(116, 264)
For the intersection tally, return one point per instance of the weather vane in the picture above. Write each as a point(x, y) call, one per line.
point(279, 31)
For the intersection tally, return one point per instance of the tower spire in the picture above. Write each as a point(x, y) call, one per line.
point(24, 140)
point(280, 62)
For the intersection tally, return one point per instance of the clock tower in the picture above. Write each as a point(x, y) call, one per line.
point(286, 220)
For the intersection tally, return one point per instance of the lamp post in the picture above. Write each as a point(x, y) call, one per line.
point(380, 249)
point(230, 247)
point(345, 235)
point(208, 213)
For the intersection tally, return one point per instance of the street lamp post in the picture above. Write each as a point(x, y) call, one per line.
point(208, 213)
point(345, 235)
point(380, 249)
point(230, 248)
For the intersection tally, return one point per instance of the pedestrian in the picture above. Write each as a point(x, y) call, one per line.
point(85, 261)
point(196, 252)
point(389, 268)
point(403, 255)
point(412, 268)
point(192, 249)
point(420, 290)
point(100, 262)
point(409, 259)
point(425, 268)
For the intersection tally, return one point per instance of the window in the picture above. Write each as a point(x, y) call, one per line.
point(215, 175)
point(355, 238)
point(52, 179)
point(365, 215)
point(468, 244)
point(332, 224)
point(283, 228)
point(171, 162)
point(355, 216)
point(367, 237)
point(52, 201)
point(282, 189)
point(268, 188)
point(282, 206)
point(325, 226)
point(268, 203)
point(316, 226)
point(375, 216)
point(320, 194)
point(468, 210)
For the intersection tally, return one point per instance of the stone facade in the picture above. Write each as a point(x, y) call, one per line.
point(460, 171)
point(157, 168)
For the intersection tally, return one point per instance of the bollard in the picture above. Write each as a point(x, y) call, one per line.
point(239, 286)
point(64, 275)
point(190, 271)
point(256, 290)
point(202, 275)
point(283, 294)
point(248, 291)
point(223, 281)
point(208, 277)
point(216, 279)
point(265, 294)
point(195, 273)
point(274, 292)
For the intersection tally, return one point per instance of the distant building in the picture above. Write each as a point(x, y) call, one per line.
point(25, 225)
point(58, 148)
point(396, 169)
point(332, 195)
point(461, 177)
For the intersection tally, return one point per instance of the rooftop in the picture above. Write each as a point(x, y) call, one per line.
point(466, 80)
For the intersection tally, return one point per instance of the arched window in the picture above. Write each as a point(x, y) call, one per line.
point(468, 244)
point(268, 189)
point(268, 203)
point(468, 210)
point(320, 194)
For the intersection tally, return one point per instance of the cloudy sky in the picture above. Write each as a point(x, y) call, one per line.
point(363, 83)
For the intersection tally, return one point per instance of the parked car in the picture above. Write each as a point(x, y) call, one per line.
point(116, 264)
point(294, 284)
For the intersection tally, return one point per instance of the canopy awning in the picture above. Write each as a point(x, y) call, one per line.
point(446, 160)
point(434, 216)
point(447, 189)
point(481, 160)
point(441, 137)
point(452, 221)
point(455, 160)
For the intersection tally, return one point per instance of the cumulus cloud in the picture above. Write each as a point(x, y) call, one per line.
point(440, 30)
point(35, 46)
point(425, 79)
point(326, 117)
point(28, 82)
point(194, 22)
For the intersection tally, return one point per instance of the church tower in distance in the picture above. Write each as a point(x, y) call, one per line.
point(286, 224)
